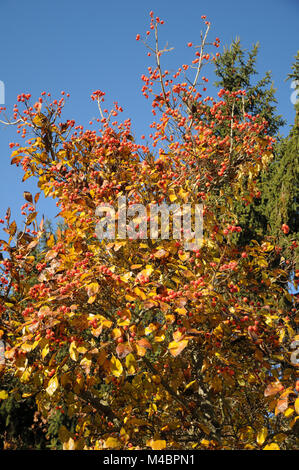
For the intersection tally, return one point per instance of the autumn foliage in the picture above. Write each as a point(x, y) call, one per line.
point(141, 343)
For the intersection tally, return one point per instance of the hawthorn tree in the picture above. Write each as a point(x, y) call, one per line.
point(142, 343)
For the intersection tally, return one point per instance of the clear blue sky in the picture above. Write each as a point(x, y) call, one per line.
point(83, 46)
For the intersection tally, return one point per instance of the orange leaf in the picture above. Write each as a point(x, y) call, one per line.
point(281, 406)
point(143, 342)
point(156, 445)
point(272, 389)
point(123, 349)
point(161, 254)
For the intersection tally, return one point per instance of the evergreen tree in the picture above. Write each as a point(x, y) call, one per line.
point(278, 206)
point(281, 184)
point(236, 72)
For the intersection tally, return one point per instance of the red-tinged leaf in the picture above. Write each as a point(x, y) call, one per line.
point(16, 159)
point(28, 196)
point(181, 302)
point(12, 228)
point(50, 255)
point(272, 389)
point(178, 335)
point(97, 331)
point(92, 289)
point(144, 343)
point(26, 176)
point(164, 307)
point(33, 244)
point(147, 304)
point(8, 214)
point(118, 245)
point(161, 254)
point(123, 349)
point(161, 290)
point(41, 225)
point(282, 406)
point(9, 354)
point(31, 218)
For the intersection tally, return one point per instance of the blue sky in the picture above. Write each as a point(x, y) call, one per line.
point(83, 46)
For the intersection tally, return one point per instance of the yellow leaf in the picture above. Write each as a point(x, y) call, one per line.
point(176, 348)
point(146, 272)
point(116, 367)
point(183, 194)
point(130, 298)
point(181, 311)
point(156, 445)
point(159, 337)
point(297, 406)
point(52, 386)
point(140, 293)
point(73, 351)
point(51, 241)
point(190, 384)
point(112, 443)
point(69, 445)
point(92, 289)
point(116, 333)
point(39, 120)
point(118, 245)
point(150, 328)
point(289, 412)
point(126, 277)
point(3, 394)
point(141, 351)
point(26, 347)
point(205, 442)
point(184, 256)
point(45, 350)
point(131, 364)
point(272, 446)
point(261, 436)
